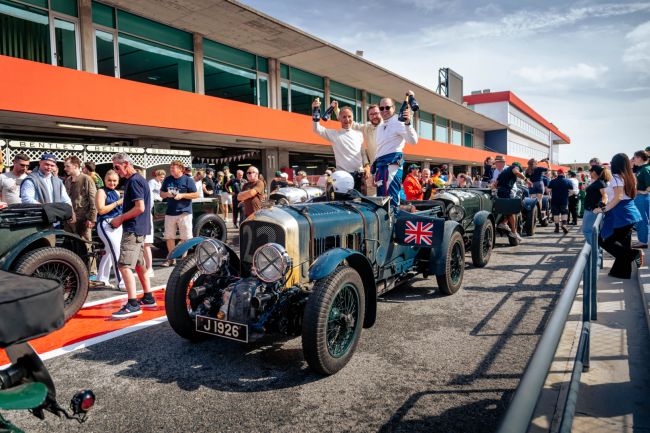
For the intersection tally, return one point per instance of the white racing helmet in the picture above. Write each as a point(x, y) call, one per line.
point(342, 181)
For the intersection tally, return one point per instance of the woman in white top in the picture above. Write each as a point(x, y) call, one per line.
point(621, 215)
point(155, 183)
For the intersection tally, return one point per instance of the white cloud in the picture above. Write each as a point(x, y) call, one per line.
point(427, 5)
point(637, 55)
point(563, 76)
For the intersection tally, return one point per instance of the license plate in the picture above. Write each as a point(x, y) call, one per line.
point(222, 328)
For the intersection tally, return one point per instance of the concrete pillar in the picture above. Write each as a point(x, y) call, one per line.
point(269, 163)
point(426, 164)
point(275, 94)
point(199, 76)
point(283, 158)
point(364, 107)
point(326, 89)
point(87, 36)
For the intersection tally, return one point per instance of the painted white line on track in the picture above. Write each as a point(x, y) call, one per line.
point(116, 298)
point(99, 339)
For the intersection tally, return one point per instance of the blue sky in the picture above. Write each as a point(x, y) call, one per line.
point(585, 66)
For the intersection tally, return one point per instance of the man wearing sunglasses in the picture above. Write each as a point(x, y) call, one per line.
point(391, 137)
point(252, 192)
point(10, 182)
point(346, 143)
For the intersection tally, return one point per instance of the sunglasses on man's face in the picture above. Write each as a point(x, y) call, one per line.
point(386, 108)
point(251, 172)
point(24, 165)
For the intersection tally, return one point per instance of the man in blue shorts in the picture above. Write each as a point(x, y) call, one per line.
point(136, 224)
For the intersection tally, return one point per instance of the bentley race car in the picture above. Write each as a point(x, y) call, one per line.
point(310, 269)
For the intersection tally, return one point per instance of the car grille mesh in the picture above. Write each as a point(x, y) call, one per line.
point(254, 234)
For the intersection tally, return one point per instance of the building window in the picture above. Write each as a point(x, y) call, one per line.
point(153, 63)
point(442, 129)
point(456, 133)
point(528, 128)
point(105, 53)
point(299, 88)
point(24, 32)
point(426, 126)
point(65, 38)
point(469, 137)
point(230, 73)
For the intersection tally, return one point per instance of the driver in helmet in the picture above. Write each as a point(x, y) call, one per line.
point(339, 185)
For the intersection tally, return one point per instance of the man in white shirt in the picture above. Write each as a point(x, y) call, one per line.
point(346, 143)
point(499, 165)
point(391, 137)
point(10, 181)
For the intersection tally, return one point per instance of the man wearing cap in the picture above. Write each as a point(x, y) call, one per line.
point(412, 186)
point(560, 187)
point(346, 143)
point(278, 182)
point(505, 189)
point(41, 186)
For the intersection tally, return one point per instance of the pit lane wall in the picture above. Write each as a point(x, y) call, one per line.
point(35, 90)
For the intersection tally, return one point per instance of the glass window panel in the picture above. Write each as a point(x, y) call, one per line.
point(263, 89)
point(151, 63)
point(456, 137)
point(228, 82)
point(103, 15)
point(262, 64)
point(104, 46)
point(306, 78)
point(66, 43)
point(39, 3)
point(24, 32)
point(456, 125)
point(470, 130)
point(68, 7)
point(426, 127)
point(154, 31)
point(342, 90)
point(469, 139)
point(302, 98)
point(372, 99)
point(284, 71)
point(441, 121)
point(442, 131)
point(224, 53)
point(284, 87)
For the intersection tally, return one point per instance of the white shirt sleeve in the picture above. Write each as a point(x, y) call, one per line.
point(323, 132)
point(65, 197)
point(410, 134)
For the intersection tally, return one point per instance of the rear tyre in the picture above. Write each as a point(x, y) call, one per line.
point(64, 266)
point(531, 222)
point(482, 243)
point(211, 226)
point(177, 303)
point(333, 320)
point(452, 279)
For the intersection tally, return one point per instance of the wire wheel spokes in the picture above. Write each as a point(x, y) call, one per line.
point(487, 240)
point(342, 321)
point(62, 272)
point(211, 230)
point(456, 262)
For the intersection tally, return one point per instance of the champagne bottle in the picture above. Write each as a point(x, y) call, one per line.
point(315, 114)
point(402, 108)
point(413, 103)
point(328, 113)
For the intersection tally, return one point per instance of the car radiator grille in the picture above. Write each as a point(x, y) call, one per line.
point(254, 234)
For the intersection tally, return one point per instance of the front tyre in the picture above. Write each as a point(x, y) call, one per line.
point(64, 266)
point(452, 279)
point(211, 226)
point(482, 243)
point(531, 222)
point(177, 303)
point(333, 320)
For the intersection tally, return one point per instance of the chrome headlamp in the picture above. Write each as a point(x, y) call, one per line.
point(211, 256)
point(271, 262)
point(456, 213)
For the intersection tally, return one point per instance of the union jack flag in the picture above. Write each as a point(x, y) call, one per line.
point(418, 233)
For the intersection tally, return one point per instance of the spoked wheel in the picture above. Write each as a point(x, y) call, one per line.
point(64, 266)
point(333, 320)
point(452, 279)
point(211, 226)
point(177, 302)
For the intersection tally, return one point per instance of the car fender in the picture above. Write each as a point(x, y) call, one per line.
point(187, 245)
point(43, 238)
point(327, 262)
point(481, 217)
point(437, 257)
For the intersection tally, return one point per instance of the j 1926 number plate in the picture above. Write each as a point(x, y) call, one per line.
point(222, 328)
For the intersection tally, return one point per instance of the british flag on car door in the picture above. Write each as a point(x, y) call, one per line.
point(418, 232)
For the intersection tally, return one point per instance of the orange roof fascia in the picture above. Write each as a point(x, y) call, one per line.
point(41, 89)
point(513, 99)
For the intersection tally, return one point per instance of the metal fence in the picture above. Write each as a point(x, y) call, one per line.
point(517, 418)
